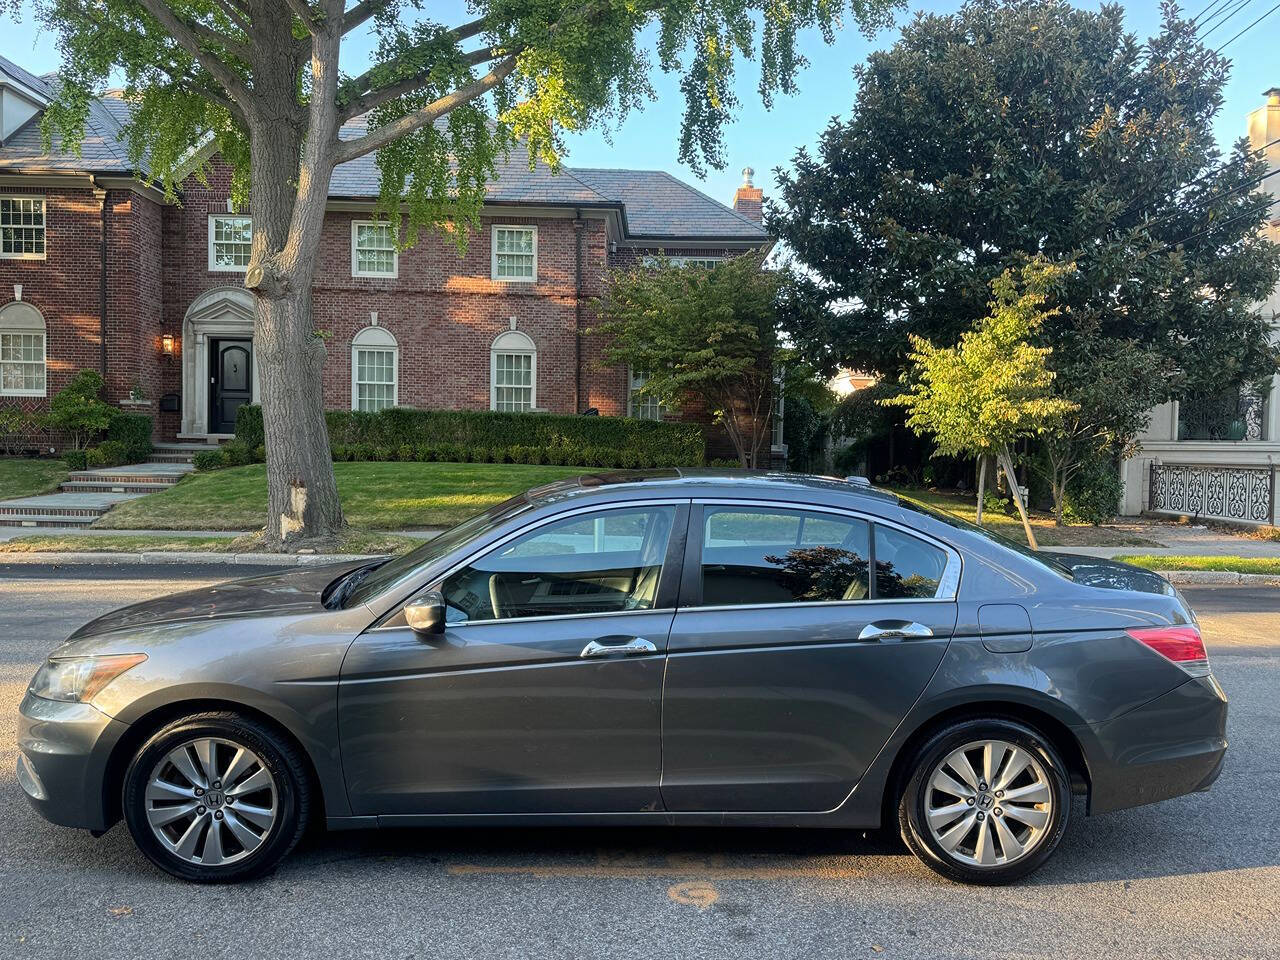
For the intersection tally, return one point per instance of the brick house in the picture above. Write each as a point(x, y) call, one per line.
point(98, 271)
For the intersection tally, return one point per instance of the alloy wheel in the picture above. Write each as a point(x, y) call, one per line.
point(211, 801)
point(989, 803)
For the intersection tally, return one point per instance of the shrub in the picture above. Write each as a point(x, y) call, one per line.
point(78, 409)
point(133, 432)
point(76, 459)
point(249, 425)
point(16, 428)
point(1093, 494)
point(209, 460)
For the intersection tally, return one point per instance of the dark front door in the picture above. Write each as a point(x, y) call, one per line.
point(230, 382)
point(543, 693)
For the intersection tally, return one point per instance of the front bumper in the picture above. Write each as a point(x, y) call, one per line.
point(63, 750)
point(1173, 745)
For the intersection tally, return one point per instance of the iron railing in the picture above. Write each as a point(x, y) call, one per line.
point(1214, 491)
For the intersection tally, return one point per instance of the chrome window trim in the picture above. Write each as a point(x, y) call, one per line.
point(498, 544)
point(948, 584)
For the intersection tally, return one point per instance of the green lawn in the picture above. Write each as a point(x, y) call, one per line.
point(1266, 565)
point(355, 541)
point(1009, 525)
point(375, 496)
point(28, 478)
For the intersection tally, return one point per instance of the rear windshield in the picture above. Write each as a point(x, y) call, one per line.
point(953, 521)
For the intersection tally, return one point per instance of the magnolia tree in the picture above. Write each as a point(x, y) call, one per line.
point(709, 334)
point(993, 388)
point(264, 81)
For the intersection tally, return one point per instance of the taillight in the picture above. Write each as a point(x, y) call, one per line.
point(1181, 645)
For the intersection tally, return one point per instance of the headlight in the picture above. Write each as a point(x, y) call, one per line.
point(80, 678)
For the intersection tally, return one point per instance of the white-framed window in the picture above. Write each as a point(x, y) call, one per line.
point(640, 406)
point(515, 254)
point(373, 249)
point(513, 373)
point(22, 228)
point(22, 351)
point(230, 241)
point(705, 263)
point(375, 370)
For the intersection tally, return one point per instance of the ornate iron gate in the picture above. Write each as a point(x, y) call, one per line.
point(1214, 491)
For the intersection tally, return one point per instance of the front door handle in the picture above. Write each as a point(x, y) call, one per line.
point(618, 647)
point(891, 630)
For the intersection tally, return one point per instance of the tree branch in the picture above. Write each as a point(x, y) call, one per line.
point(360, 13)
point(181, 31)
point(374, 98)
point(376, 139)
point(302, 10)
point(234, 14)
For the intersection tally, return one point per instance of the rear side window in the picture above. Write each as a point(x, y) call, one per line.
point(767, 555)
point(906, 566)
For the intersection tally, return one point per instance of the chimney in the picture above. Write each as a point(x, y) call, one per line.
point(749, 199)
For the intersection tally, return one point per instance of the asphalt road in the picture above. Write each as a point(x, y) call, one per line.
point(1194, 877)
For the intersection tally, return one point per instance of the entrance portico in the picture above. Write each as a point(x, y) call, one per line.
point(220, 319)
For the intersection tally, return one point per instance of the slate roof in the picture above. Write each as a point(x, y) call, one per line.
point(653, 203)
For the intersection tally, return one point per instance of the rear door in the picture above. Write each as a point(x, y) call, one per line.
point(790, 663)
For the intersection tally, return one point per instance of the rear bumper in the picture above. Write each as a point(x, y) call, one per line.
point(63, 749)
point(1173, 745)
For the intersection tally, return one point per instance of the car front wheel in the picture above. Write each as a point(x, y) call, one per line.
point(986, 801)
point(216, 797)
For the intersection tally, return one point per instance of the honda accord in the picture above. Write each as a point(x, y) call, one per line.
point(672, 647)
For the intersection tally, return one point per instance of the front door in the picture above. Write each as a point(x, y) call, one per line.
point(230, 382)
point(789, 665)
point(543, 693)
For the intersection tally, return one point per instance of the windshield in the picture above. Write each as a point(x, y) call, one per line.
point(381, 578)
point(951, 520)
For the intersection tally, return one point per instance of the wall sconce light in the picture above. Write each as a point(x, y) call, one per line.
point(166, 345)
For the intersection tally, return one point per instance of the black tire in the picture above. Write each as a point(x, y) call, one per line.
point(913, 800)
point(289, 781)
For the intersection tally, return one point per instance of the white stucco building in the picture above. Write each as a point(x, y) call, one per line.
point(1217, 457)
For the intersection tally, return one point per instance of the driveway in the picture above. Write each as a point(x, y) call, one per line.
point(1192, 877)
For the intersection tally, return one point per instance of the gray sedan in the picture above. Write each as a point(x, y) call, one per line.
point(674, 648)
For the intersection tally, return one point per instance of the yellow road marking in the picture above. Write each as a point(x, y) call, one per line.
point(697, 894)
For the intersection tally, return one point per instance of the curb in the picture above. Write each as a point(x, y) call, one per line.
point(224, 559)
point(1190, 577)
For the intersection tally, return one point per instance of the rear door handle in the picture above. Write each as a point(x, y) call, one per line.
point(618, 647)
point(891, 630)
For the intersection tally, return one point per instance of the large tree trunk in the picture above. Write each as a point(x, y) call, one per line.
point(288, 214)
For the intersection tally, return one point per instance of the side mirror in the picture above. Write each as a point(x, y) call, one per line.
point(425, 615)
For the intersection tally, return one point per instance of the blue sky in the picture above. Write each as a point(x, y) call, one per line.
point(765, 139)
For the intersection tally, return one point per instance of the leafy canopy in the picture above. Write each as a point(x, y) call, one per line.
point(1008, 131)
point(993, 388)
point(553, 66)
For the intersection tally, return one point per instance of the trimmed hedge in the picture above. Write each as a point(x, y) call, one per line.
point(132, 431)
point(469, 436)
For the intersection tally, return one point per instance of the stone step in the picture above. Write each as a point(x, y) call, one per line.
point(182, 446)
point(159, 478)
point(171, 458)
point(120, 485)
point(45, 520)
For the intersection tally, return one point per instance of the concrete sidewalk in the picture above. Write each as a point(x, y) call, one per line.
point(1182, 540)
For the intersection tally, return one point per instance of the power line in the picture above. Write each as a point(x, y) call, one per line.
point(1223, 16)
point(1249, 27)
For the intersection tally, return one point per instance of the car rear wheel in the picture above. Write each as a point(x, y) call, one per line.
point(986, 801)
point(216, 797)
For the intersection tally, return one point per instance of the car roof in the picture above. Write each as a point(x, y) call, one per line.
point(688, 482)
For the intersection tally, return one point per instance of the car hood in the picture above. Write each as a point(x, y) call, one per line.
point(291, 592)
point(1111, 574)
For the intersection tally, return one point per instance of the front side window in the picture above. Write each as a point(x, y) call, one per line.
point(515, 253)
point(22, 351)
point(374, 373)
point(373, 249)
point(604, 562)
point(22, 228)
point(771, 555)
point(230, 242)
